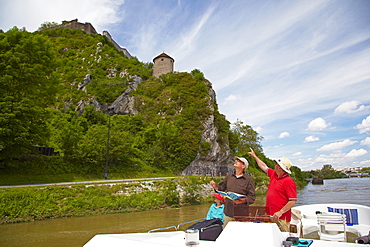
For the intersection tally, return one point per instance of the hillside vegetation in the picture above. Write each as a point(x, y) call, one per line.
point(56, 87)
point(45, 101)
point(40, 75)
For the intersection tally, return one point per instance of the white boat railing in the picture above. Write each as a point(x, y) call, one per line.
point(178, 226)
point(175, 227)
point(162, 228)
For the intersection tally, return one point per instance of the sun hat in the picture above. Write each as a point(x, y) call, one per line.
point(219, 197)
point(285, 164)
point(243, 160)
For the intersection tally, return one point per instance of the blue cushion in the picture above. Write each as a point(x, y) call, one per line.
point(351, 214)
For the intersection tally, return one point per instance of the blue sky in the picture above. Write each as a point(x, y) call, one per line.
point(297, 71)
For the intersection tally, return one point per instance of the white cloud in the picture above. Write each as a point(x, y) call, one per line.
point(232, 98)
point(258, 129)
point(350, 107)
point(188, 40)
point(356, 153)
point(366, 142)
point(336, 145)
point(336, 159)
point(311, 139)
point(329, 159)
point(318, 124)
point(365, 163)
point(31, 14)
point(364, 126)
point(297, 154)
point(284, 134)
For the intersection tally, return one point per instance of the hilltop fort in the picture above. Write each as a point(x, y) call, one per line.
point(163, 63)
point(89, 28)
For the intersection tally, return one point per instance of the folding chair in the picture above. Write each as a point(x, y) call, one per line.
point(332, 227)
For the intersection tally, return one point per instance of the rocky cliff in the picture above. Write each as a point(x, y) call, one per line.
point(217, 161)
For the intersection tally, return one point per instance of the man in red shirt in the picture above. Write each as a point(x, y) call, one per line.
point(282, 193)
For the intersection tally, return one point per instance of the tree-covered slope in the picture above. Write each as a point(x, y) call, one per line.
point(79, 54)
point(164, 135)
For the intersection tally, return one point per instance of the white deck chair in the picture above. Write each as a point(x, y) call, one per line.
point(332, 226)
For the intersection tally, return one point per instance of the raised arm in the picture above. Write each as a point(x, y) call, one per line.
point(214, 185)
point(260, 163)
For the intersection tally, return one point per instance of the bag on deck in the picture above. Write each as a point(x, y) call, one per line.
point(208, 229)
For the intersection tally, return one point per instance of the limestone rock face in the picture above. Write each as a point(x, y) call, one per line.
point(124, 104)
point(87, 80)
point(218, 161)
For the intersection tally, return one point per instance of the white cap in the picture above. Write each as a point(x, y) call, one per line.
point(243, 160)
point(285, 164)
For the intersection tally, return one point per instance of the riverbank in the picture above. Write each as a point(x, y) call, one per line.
point(24, 204)
point(39, 202)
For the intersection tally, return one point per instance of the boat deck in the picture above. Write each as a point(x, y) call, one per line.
point(250, 233)
point(308, 222)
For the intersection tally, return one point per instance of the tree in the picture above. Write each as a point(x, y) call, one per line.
point(244, 137)
point(328, 171)
point(26, 63)
point(46, 25)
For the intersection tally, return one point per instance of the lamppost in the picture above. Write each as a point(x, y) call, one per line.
point(108, 142)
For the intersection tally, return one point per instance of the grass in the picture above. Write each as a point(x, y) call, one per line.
point(19, 179)
point(24, 204)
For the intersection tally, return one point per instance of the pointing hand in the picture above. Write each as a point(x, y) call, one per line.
point(251, 153)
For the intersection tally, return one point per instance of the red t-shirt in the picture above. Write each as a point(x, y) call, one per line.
point(280, 191)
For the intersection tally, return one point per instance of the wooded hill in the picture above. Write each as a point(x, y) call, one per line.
point(41, 105)
point(56, 87)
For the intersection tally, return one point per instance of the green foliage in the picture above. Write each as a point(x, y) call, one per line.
point(36, 203)
point(41, 76)
point(79, 54)
point(94, 117)
point(175, 106)
point(25, 204)
point(223, 127)
point(41, 110)
point(299, 177)
point(169, 191)
point(327, 172)
point(244, 137)
point(47, 25)
point(205, 147)
point(197, 74)
point(191, 187)
point(107, 90)
point(26, 65)
point(365, 170)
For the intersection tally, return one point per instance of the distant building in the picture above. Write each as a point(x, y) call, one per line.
point(88, 28)
point(118, 47)
point(163, 64)
point(74, 24)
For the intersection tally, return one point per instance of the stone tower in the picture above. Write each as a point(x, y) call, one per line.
point(163, 64)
